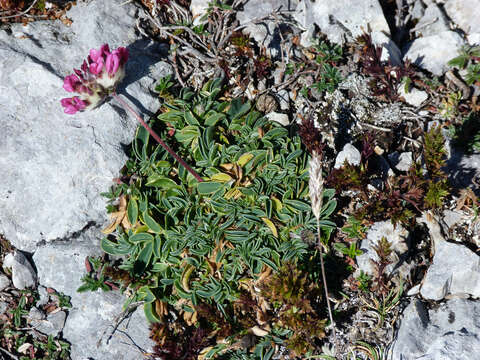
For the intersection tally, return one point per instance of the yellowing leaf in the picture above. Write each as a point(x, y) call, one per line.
point(118, 217)
point(244, 159)
point(277, 204)
point(186, 277)
point(270, 225)
point(222, 177)
point(233, 193)
point(140, 229)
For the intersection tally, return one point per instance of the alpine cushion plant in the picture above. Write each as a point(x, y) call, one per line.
point(96, 80)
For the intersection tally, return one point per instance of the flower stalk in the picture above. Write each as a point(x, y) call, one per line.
point(315, 188)
point(156, 137)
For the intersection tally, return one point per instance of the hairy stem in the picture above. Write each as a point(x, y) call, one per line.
point(156, 137)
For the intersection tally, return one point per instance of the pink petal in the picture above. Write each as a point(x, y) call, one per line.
point(96, 55)
point(66, 101)
point(70, 83)
point(105, 49)
point(79, 103)
point(112, 63)
point(84, 66)
point(123, 52)
point(73, 104)
point(96, 67)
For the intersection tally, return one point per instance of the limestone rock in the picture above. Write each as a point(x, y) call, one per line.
point(432, 22)
point(345, 20)
point(55, 165)
point(398, 238)
point(450, 331)
point(452, 217)
point(401, 162)
point(463, 169)
point(198, 9)
point(433, 52)
point(414, 97)
point(455, 270)
point(92, 312)
point(350, 154)
point(464, 13)
point(342, 18)
point(279, 118)
point(4, 282)
point(53, 324)
point(266, 32)
point(3, 307)
point(23, 274)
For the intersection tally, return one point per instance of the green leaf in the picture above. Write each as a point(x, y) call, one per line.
point(145, 294)
point(209, 187)
point(150, 312)
point(152, 224)
point(238, 108)
point(190, 118)
point(181, 292)
point(132, 211)
point(187, 134)
point(161, 182)
point(140, 237)
point(213, 117)
point(328, 209)
point(157, 246)
point(143, 258)
point(112, 248)
point(298, 205)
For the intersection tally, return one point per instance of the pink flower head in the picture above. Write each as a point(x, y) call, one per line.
point(97, 78)
point(73, 104)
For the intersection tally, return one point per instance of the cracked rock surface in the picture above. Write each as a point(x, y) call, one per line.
point(57, 164)
point(447, 332)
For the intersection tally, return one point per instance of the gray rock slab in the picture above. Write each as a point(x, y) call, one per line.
point(452, 217)
point(342, 18)
point(4, 282)
point(3, 307)
point(279, 118)
point(345, 20)
point(414, 97)
point(449, 332)
point(52, 325)
point(350, 154)
point(433, 52)
point(55, 165)
point(398, 238)
point(35, 315)
point(455, 270)
point(23, 274)
point(92, 312)
point(266, 32)
point(198, 9)
point(463, 169)
point(432, 22)
point(402, 161)
point(464, 13)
